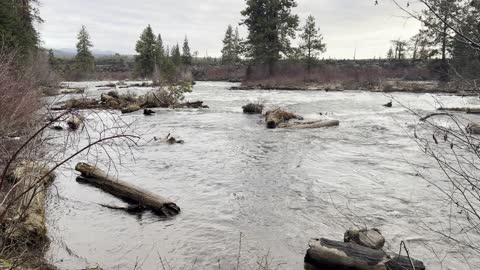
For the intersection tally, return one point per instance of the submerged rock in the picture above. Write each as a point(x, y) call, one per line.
point(148, 112)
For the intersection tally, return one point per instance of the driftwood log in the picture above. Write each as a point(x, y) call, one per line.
point(327, 254)
point(126, 191)
point(314, 124)
point(276, 117)
point(131, 108)
point(461, 109)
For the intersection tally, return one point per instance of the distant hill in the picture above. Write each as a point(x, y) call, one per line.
point(69, 52)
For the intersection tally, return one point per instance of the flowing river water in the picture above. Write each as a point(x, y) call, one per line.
point(268, 191)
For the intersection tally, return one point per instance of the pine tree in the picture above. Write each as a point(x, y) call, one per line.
point(17, 31)
point(232, 47)
point(159, 49)
point(146, 48)
point(187, 58)
point(84, 60)
point(390, 55)
point(228, 46)
point(270, 24)
point(466, 58)
point(438, 17)
point(312, 42)
point(52, 61)
point(237, 47)
point(420, 46)
point(176, 55)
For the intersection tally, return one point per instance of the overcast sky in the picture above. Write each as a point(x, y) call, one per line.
point(115, 25)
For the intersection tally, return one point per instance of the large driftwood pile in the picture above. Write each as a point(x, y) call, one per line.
point(126, 191)
point(361, 250)
point(125, 103)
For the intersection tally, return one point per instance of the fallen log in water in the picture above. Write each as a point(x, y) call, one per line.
point(278, 116)
point(131, 108)
point(327, 254)
point(313, 124)
point(461, 109)
point(126, 191)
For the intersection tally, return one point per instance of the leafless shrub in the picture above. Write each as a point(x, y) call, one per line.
point(19, 99)
point(169, 95)
point(445, 139)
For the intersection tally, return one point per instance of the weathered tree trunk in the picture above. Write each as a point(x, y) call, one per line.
point(131, 108)
point(327, 254)
point(466, 109)
point(277, 117)
point(127, 191)
point(314, 124)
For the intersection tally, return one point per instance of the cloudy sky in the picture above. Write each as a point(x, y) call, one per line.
point(115, 25)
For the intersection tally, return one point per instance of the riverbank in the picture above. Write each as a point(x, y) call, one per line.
point(389, 86)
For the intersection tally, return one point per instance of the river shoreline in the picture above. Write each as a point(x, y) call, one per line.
point(393, 86)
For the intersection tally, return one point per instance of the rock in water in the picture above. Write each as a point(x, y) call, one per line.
point(252, 108)
point(367, 238)
point(148, 112)
point(74, 122)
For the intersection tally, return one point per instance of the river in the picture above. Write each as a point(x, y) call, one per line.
point(269, 190)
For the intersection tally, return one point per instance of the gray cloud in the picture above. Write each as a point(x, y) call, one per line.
point(116, 24)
